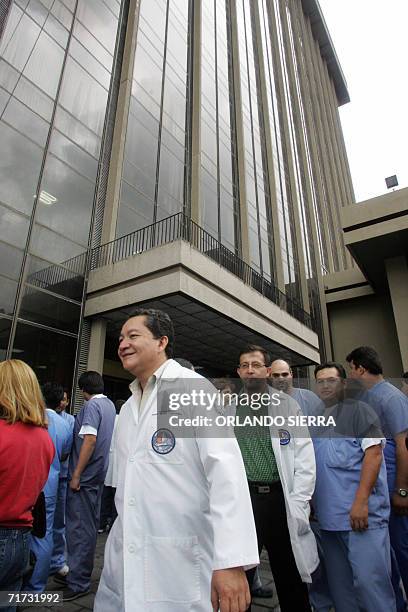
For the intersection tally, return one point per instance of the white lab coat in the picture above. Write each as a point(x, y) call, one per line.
point(180, 516)
point(297, 471)
point(111, 475)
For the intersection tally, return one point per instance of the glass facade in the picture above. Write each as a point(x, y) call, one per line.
point(55, 69)
point(256, 171)
point(154, 169)
point(219, 199)
point(263, 130)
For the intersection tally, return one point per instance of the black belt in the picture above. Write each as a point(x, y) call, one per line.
point(263, 487)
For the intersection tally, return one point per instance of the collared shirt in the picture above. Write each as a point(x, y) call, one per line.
point(142, 395)
point(256, 447)
point(97, 413)
point(308, 401)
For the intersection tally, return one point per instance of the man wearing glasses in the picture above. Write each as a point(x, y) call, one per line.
point(280, 468)
point(351, 499)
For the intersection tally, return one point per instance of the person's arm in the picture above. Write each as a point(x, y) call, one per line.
point(370, 469)
point(86, 452)
point(400, 504)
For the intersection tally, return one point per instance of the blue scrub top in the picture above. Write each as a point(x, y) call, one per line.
point(339, 460)
point(308, 401)
point(391, 406)
point(70, 421)
point(61, 437)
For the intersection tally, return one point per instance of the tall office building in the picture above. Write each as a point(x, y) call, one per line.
point(184, 154)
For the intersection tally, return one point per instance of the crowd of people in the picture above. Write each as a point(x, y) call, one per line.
point(189, 513)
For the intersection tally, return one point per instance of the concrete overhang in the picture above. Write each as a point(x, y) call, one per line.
point(345, 285)
point(312, 9)
point(214, 312)
point(376, 230)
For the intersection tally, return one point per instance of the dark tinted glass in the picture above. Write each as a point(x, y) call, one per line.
point(5, 325)
point(41, 307)
point(51, 355)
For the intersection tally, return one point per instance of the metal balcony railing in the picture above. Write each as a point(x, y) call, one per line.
point(181, 227)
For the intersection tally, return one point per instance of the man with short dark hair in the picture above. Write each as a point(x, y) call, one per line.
point(184, 531)
point(391, 406)
point(280, 469)
point(351, 498)
point(87, 469)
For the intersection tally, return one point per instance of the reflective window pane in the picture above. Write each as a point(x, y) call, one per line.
point(70, 213)
point(7, 295)
point(10, 261)
point(19, 39)
point(53, 247)
point(66, 280)
point(27, 122)
point(41, 307)
point(5, 326)
point(20, 162)
point(13, 227)
point(51, 355)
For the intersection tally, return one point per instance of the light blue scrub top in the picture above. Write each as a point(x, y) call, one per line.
point(308, 401)
point(70, 421)
point(61, 437)
point(339, 461)
point(391, 406)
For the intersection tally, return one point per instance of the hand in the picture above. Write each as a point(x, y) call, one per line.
point(230, 590)
point(359, 515)
point(74, 483)
point(399, 504)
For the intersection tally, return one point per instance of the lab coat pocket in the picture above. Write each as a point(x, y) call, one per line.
point(172, 569)
point(300, 512)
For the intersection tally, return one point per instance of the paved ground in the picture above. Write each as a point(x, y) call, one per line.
point(86, 603)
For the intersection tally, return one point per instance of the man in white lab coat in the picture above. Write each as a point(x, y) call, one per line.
point(185, 530)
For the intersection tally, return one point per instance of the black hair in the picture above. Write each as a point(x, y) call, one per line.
point(331, 364)
point(118, 404)
point(91, 382)
point(252, 348)
point(366, 357)
point(405, 375)
point(53, 394)
point(159, 324)
point(184, 362)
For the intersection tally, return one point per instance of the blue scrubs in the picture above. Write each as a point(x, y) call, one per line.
point(42, 547)
point(358, 564)
point(319, 591)
point(391, 405)
point(58, 555)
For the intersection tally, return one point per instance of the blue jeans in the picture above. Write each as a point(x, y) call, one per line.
point(14, 559)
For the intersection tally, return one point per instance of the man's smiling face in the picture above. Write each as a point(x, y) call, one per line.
point(138, 349)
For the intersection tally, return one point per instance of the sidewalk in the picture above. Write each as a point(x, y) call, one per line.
point(86, 603)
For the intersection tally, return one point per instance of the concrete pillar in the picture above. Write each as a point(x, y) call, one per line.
point(397, 275)
point(97, 345)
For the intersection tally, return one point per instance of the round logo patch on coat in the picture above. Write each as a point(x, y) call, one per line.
point(163, 441)
point(284, 436)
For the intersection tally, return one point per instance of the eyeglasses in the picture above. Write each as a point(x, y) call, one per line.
point(256, 366)
point(327, 381)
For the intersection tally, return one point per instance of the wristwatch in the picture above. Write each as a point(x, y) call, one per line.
point(402, 492)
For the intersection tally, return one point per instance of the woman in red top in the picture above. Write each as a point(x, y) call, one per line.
point(26, 453)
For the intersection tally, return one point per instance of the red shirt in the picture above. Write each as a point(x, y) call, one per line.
point(26, 453)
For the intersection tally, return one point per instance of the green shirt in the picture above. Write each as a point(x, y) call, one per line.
point(256, 447)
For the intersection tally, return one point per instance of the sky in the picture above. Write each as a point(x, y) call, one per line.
point(371, 41)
